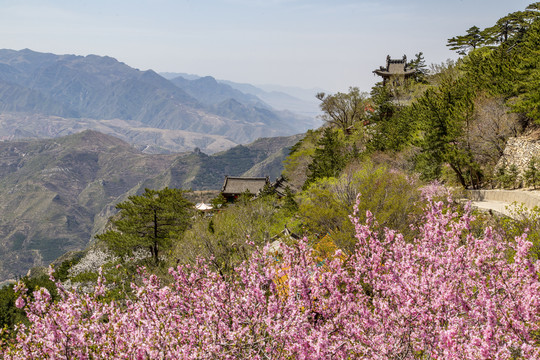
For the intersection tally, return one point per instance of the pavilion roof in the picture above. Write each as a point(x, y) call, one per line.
point(203, 207)
point(238, 185)
point(394, 67)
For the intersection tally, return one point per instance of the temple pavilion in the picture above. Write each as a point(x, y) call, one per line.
point(395, 72)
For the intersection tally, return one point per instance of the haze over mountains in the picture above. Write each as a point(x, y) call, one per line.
point(48, 95)
point(300, 101)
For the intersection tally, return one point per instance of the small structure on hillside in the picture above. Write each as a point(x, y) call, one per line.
point(204, 209)
point(395, 72)
point(286, 236)
point(234, 186)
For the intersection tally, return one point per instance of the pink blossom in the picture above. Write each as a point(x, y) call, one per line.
point(20, 302)
point(448, 294)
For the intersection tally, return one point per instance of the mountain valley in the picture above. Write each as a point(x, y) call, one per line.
point(57, 193)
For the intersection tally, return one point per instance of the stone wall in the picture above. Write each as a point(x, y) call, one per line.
point(519, 151)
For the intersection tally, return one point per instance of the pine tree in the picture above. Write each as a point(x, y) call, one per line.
point(528, 100)
point(464, 43)
point(289, 203)
point(531, 174)
point(513, 175)
point(328, 159)
point(151, 220)
point(419, 64)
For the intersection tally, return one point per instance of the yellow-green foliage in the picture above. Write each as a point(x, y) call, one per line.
point(390, 195)
point(523, 220)
point(229, 236)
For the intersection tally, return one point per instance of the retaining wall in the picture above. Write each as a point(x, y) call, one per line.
point(528, 198)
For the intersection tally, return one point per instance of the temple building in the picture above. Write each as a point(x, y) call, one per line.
point(234, 186)
point(395, 72)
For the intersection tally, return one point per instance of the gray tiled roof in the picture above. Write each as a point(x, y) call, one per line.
point(238, 185)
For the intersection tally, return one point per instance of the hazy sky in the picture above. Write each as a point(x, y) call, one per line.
point(330, 44)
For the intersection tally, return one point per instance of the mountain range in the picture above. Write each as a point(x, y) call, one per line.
point(297, 100)
point(45, 95)
point(57, 193)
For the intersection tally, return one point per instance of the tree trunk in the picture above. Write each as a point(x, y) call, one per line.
point(459, 175)
point(155, 245)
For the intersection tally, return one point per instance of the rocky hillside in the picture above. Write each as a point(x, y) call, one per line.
point(519, 151)
point(57, 193)
point(52, 95)
point(199, 171)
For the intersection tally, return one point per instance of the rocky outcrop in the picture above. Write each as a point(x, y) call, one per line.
point(519, 151)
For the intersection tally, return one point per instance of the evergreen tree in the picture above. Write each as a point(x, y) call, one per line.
point(444, 115)
point(289, 203)
point(528, 66)
point(512, 27)
point(464, 43)
point(419, 64)
point(513, 176)
point(328, 159)
point(218, 201)
point(151, 220)
point(267, 191)
point(502, 175)
point(382, 101)
point(385, 121)
point(532, 174)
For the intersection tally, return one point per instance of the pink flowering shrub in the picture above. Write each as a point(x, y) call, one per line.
point(446, 295)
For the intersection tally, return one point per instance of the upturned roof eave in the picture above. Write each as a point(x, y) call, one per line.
point(388, 73)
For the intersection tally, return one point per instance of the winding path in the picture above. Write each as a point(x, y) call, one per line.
point(499, 200)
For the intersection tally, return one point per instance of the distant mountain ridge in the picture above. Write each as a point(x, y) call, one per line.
point(211, 92)
point(297, 100)
point(100, 89)
point(57, 193)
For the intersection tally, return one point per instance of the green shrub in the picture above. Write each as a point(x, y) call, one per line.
point(532, 175)
point(522, 220)
point(390, 195)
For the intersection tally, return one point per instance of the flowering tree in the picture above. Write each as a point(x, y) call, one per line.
point(446, 295)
